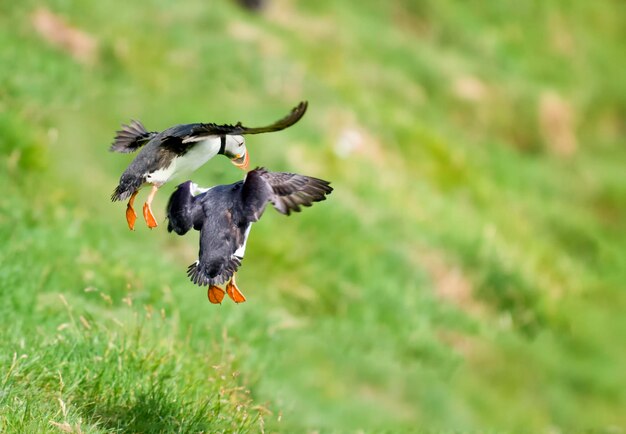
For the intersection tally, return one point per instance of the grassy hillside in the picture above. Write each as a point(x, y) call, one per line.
point(466, 274)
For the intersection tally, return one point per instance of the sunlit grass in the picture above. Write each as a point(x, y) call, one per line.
point(465, 274)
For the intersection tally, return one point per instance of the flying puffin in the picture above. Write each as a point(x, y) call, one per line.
point(179, 150)
point(224, 214)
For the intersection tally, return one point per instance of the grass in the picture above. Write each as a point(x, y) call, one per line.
point(465, 275)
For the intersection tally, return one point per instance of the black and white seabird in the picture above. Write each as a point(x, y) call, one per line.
point(180, 150)
point(224, 214)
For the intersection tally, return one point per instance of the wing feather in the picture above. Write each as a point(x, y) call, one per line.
point(286, 191)
point(212, 129)
point(131, 137)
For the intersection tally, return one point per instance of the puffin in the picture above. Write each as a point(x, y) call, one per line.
point(180, 150)
point(224, 215)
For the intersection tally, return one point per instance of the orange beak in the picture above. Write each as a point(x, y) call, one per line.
point(242, 162)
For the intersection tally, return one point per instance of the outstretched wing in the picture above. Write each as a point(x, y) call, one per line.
point(211, 129)
point(286, 191)
point(219, 240)
point(131, 137)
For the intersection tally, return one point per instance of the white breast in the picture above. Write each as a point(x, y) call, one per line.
point(202, 152)
point(242, 250)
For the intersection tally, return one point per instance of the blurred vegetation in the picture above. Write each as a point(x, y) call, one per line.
point(466, 274)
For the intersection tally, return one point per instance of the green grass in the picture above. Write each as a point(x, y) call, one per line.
point(467, 274)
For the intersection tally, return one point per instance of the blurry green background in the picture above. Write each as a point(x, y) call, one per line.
point(466, 274)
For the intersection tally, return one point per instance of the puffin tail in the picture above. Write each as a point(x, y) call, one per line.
point(119, 194)
point(203, 274)
point(126, 188)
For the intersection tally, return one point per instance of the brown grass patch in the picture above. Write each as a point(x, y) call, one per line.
point(469, 89)
point(556, 122)
point(57, 32)
point(285, 14)
point(451, 284)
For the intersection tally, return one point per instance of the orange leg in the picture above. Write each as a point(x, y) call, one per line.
point(215, 294)
point(233, 292)
point(131, 215)
point(147, 211)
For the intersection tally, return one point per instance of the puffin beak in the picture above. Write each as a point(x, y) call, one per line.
point(242, 162)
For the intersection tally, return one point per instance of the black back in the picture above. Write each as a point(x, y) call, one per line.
point(224, 214)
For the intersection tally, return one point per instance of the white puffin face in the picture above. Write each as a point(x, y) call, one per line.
point(235, 149)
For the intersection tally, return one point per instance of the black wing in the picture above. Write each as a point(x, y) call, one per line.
point(131, 137)
point(219, 240)
point(286, 191)
point(211, 129)
point(175, 144)
point(183, 210)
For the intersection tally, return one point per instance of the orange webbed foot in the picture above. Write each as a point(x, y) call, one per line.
point(233, 292)
point(215, 294)
point(131, 217)
point(149, 217)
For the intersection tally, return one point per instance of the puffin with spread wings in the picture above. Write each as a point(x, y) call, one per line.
point(179, 150)
point(224, 215)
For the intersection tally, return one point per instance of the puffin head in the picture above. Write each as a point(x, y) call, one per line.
point(235, 149)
